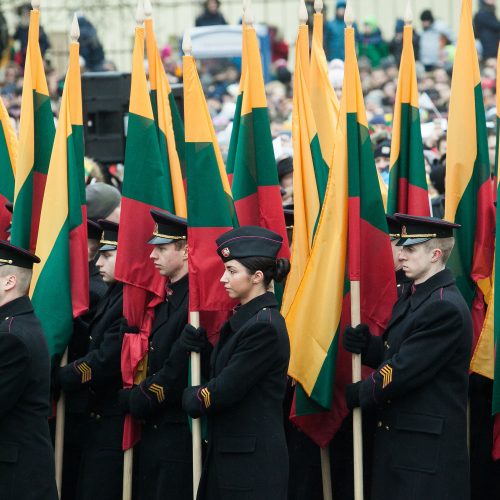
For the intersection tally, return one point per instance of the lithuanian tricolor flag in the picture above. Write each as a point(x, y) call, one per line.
point(324, 101)
point(310, 172)
point(255, 186)
point(60, 284)
point(352, 234)
point(169, 125)
point(8, 157)
point(36, 136)
point(407, 182)
point(469, 195)
point(144, 187)
point(210, 204)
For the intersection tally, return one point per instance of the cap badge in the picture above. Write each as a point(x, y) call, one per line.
point(225, 252)
point(404, 234)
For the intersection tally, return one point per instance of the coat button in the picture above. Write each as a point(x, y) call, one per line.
point(155, 426)
point(387, 428)
point(379, 423)
point(90, 337)
point(98, 417)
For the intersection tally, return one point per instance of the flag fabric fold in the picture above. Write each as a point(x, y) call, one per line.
point(36, 137)
point(255, 187)
point(469, 195)
point(144, 187)
point(60, 283)
point(407, 181)
point(351, 243)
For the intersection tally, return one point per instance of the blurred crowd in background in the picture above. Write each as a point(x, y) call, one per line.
point(378, 54)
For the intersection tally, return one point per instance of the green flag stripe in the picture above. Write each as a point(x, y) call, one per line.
point(44, 132)
point(233, 143)
point(6, 173)
point(178, 126)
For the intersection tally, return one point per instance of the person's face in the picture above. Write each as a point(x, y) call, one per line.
point(212, 6)
point(106, 264)
point(395, 255)
point(382, 163)
point(340, 13)
point(426, 25)
point(169, 261)
point(287, 184)
point(417, 261)
point(237, 281)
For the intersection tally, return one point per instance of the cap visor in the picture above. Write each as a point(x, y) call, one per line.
point(156, 240)
point(408, 242)
point(107, 248)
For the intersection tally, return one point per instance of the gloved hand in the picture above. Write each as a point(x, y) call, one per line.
point(352, 395)
point(126, 328)
point(356, 339)
point(191, 401)
point(55, 386)
point(193, 339)
point(124, 399)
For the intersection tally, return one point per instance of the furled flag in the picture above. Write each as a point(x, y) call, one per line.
point(310, 172)
point(60, 284)
point(36, 136)
point(255, 186)
point(469, 194)
point(486, 358)
point(169, 125)
point(351, 236)
point(144, 187)
point(324, 101)
point(8, 156)
point(407, 182)
point(209, 201)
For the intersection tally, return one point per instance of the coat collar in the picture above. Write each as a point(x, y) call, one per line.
point(21, 305)
point(243, 313)
point(424, 290)
point(176, 292)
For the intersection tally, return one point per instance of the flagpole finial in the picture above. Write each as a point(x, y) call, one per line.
point(148, 9)
point(349, 15)
point(139, 14)
point(303, 15)
point(249, 19)
point(35, 4)
point(318, 6)
point(75, 29)
point(408, 13)
point(187, 44)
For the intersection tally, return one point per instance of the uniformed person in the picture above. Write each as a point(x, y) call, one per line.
point(26, 453)
point(99, 372)
point(395, 234)
point(77, 401)
point(419, 386)
point(165, 456)
point(247, 455)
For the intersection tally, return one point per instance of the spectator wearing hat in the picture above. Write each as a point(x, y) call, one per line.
point(98, 373)
point(103, 202)
point(165, 452)
point(334, 33)
point(26, 455)
point(371, 44)
point(419, 388)
point(243, 399)
point(285, 177)
point(487, 28)
point(431, 40)
point(396, 44)
point(382, 155)
point(211, 15)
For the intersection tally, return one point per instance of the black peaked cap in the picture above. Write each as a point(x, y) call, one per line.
point(168, 228)
point(415, 229)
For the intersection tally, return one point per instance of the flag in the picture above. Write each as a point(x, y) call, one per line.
point(169, 125)
point(310, 172)
point(8, 156)
point(469, 196)
point(351, 235)
point(255, 187)
point(324, 101)
point(60, 283)
point(208, 216)
point(36, 136)
point(486, 358)
point(407, 181)
point(144, 187)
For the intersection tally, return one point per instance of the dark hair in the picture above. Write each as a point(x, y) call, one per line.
point(271, 268)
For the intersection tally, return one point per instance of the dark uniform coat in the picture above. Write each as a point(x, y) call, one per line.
point(419, 390)
point(247, 455)
point(99, 370)
point(165, 450)
point(26, 453)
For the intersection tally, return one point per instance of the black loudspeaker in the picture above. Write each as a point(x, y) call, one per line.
point(105, 98)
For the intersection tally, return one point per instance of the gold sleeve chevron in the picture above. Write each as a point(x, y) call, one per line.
point(386, 372)
point(158, 391)
point(86, 372)
point(205, 394)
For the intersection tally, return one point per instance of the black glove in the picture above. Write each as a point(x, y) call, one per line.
point(356, 339)
point(352, 395)
point(193, 339)
point(55, 386)
point(126, 328)
point(124, 400)
point(191, 401)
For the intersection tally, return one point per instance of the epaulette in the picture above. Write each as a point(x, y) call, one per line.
point(264, 315)
point(6, 324)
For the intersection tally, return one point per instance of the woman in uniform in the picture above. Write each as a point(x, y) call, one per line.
point(247, 455)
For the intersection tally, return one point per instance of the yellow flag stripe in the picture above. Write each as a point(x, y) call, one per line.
point(354, 102)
